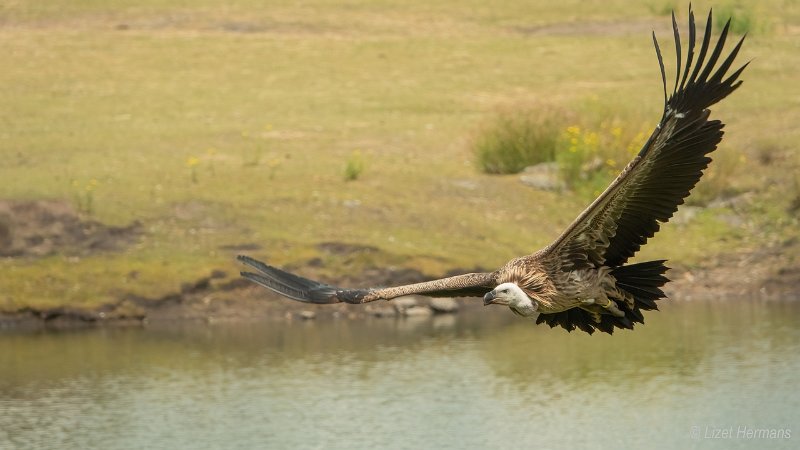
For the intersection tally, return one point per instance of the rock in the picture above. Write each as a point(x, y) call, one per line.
point(418, 311)
point(543, 176)
point(591, 167)
point(686, 214)
point(308, 315)
point(381, 311)
point(403, 303)
point(734, 220)
point(468, 185)
point(732, 202)
point(444, 305)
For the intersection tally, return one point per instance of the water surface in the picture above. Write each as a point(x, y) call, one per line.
point(477, 380)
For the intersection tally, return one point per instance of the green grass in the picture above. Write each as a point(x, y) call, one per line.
point(271, 100)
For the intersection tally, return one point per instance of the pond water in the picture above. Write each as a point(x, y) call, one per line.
point(698, 375)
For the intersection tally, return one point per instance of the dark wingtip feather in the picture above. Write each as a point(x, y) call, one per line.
point(703, 50)
point(288, 284)
point(661, 65)
point(677, 36)
point(723, 68)
point(690, 52)
point(712, 60)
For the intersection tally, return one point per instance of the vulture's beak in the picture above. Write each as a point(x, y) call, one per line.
point(488, 299)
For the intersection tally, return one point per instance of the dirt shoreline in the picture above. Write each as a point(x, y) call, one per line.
point(34, 229)
point(217, 298)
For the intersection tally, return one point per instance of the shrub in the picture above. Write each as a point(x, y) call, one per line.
point(743, 18)
point(517, 139)
point(590, 157)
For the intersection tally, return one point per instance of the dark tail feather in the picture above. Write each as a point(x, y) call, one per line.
point(643, 281)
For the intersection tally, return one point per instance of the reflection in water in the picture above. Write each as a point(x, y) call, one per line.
point(474, 380)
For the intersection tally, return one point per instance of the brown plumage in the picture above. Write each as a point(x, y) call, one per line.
point(581, 280)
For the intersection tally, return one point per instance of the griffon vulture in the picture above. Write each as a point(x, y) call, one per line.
point(582, 279)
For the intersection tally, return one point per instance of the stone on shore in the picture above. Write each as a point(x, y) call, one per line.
point(418, 311)
point(444, 305)
point(544, 176)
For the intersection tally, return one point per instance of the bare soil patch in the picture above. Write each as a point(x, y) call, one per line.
point(38, 228)
point(595, 28)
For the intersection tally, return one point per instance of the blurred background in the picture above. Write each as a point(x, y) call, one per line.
point(146, 143)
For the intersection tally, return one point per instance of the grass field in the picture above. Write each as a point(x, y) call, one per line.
point(220, 124)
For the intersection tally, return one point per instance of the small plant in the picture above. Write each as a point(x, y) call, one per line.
point(518, 139)
point(273, 165)
point(84, 198)
point(794, 200)
point(252, 158)
point(192, 162)
point(354, 166)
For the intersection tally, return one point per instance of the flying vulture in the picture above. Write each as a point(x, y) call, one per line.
point(582, 279)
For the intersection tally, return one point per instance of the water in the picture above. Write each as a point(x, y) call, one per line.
point(478, 380)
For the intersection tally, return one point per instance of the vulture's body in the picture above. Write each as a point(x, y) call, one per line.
point(582, 279)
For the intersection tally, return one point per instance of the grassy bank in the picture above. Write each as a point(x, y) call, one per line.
point(231, 125)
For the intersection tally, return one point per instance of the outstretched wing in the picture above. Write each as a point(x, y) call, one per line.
point(648, 191)
point(310, 291)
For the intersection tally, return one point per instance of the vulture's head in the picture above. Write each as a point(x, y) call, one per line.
point(513, 296)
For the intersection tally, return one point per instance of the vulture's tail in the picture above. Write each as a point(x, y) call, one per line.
point(643, 281)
